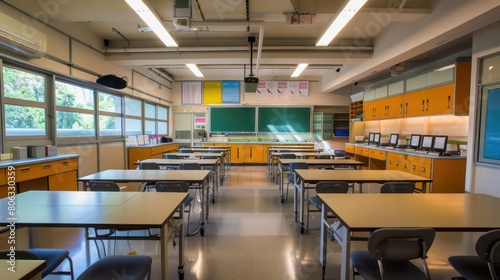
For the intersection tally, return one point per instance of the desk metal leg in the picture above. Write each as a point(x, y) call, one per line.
point(301, 206)
point(180, 267)
point(295, 196)
point(164, 250)
point(345, 267)
point(323, 240)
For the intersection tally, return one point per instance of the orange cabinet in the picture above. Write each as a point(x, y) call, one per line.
point(146, 152)
point(432, 101)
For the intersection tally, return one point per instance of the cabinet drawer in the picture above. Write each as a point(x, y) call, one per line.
point(349, 149)
point(3, 176)
point(420, 160)
point(376, 154)
point(45, 169)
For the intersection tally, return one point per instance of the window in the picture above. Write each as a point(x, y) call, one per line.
point(110, 115)
point(133, 116)
point(25, 107)
point(75, 110)
point(162, 120)
point(489, 112)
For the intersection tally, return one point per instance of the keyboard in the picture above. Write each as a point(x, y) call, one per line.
point(421, 152)
point(410, 150)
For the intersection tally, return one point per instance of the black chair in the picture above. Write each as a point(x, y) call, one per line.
point(390, 251)
point(324, 166)
point(170, 156)
point(190, 166)
point(128, 267)
point(52, 257)
point(486, 265)
point(292, 167)
point(324, 187)
point(177, 186)
point(103, 232)
point(398, 187)
point(149, 166)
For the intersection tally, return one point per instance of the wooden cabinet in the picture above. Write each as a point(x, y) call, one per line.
point(247, 153)
point(146, 152)
point(370, 110)
point(432, 101)
point(54, 173)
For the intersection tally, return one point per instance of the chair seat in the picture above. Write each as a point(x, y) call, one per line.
point(367, 267)
point(472, 267)
point(53, 258)
point(118, 267)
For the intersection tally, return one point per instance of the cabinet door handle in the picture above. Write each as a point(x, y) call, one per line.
point(427, 106)
point(251, 149)
point(423, 105)
point(406, 109)
point(423, 169)
point(238, 152)
point(401, 108)
point(449, 101)
point(65, 162)
point(47, 166)
point(413, 167)
point(405, 165)
point(397, 163)
point(390, 161)
point(25, 169)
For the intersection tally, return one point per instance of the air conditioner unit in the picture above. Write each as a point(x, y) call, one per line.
point(21, 38)
point(182, 23)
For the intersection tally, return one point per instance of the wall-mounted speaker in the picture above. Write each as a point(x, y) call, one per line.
point(112, 81)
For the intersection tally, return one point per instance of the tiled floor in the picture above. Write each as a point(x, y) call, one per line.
point(251, 235)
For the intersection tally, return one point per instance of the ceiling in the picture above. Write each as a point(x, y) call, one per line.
point(218, 39)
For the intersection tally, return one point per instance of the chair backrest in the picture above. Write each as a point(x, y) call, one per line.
point(488, 246)
point(185, 151)
point(297, 165)
point(103, 186)
point(332, 187)
point(171, 186)
point(190, 166)
point(397, 244)
point(323, 157)
point(149, 166)
point(290, 156)
point(398, 187)
point(20, 254)
point(170, 156)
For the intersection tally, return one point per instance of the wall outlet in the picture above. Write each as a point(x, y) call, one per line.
point(6, 156)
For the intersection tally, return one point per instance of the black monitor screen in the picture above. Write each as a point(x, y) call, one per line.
point(376, 138)
point(427, 141)
point(393, 141)
point(370, 138)
point(415, 141)
point(440, 143)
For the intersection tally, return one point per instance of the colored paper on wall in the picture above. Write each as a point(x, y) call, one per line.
point(212, 92)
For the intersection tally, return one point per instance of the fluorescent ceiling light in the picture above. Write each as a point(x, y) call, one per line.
point(299, 69)
point(346, 14)
point(445, 68)
point(152, 20)
point(195, 70)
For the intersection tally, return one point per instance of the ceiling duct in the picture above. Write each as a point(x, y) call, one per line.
point(182, 14)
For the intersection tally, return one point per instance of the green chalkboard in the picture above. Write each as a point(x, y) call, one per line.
point(234, 119)
point(284, 119)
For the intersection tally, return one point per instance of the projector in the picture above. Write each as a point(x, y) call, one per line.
point(251, 84)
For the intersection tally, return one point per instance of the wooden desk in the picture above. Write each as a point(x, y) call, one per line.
point(213, 149)
point(219, 155)
point(443, 212)
point(302, 155)
point(24, 270)
point(120, 210)
point(312, 176)
point(191, 176)
point(313, 163)
point(203, 162)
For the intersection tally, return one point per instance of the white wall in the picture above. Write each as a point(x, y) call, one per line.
point(481, 179)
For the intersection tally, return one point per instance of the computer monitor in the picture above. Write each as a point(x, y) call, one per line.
point(427, 141)
point(370, 137)
point(393, 140)
point(376, 138)
point(415, 141)
point(440, 143)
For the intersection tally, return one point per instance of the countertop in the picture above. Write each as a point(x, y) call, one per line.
point(402, 151)
point(258, 142)
point(18, 162)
